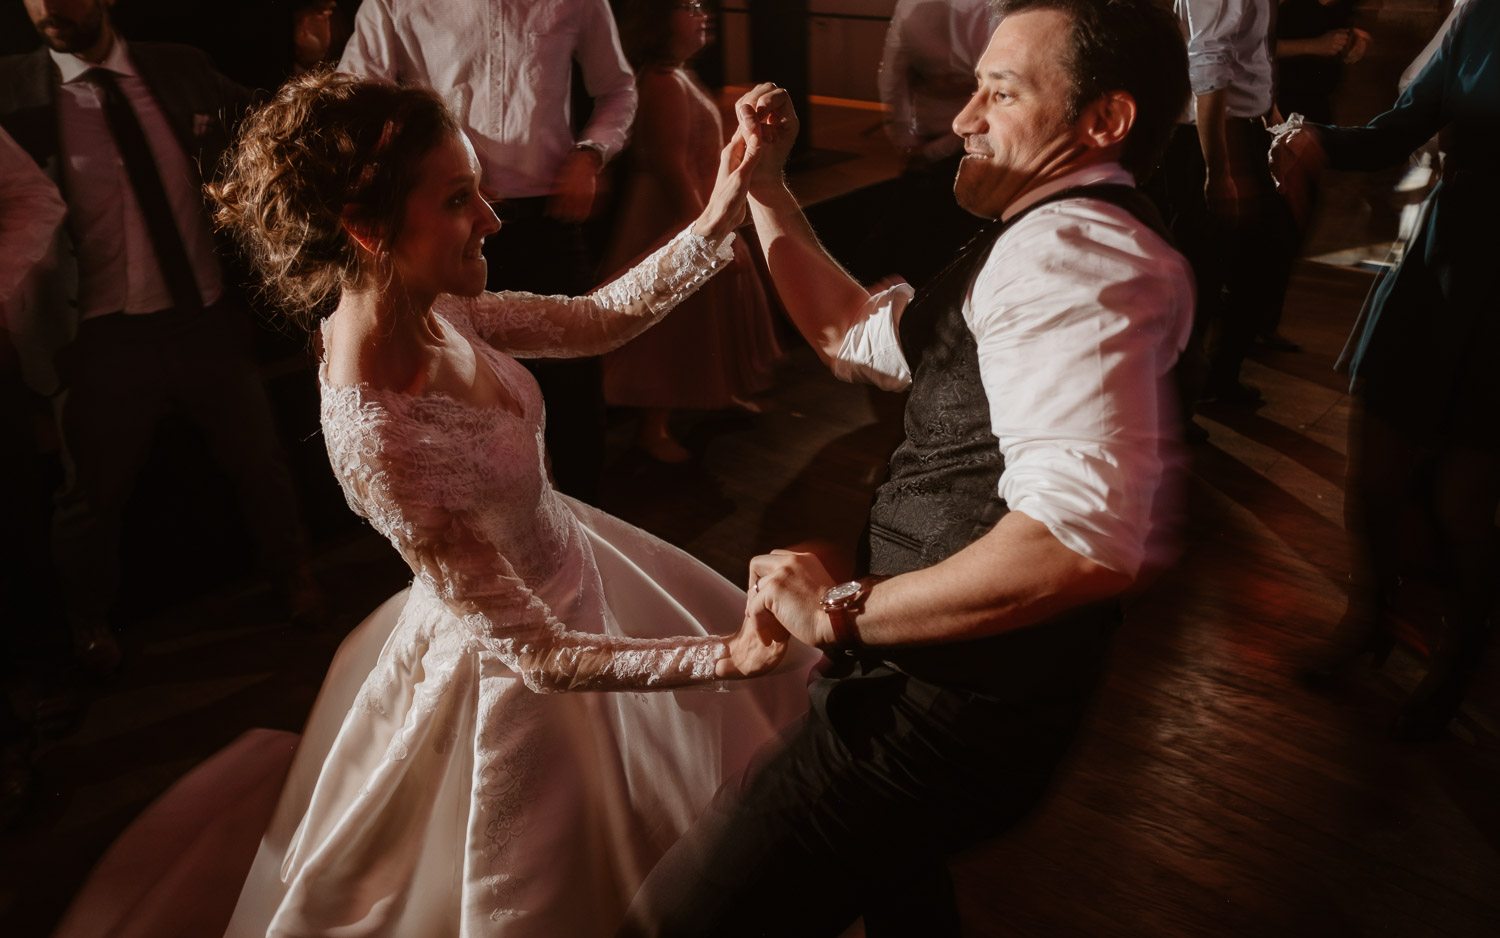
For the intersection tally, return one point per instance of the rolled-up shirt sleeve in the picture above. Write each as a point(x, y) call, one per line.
point(1211, 26)
point(1079, 316)
point(871, 350)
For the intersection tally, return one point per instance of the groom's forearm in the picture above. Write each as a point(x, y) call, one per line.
point(1017, 575)
point(822, 299)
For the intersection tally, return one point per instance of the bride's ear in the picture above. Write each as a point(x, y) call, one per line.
point(364, 233)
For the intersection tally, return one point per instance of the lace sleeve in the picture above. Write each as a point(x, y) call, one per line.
point(413, 488)
point(531, 326)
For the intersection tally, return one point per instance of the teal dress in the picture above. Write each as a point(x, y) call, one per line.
point(1426, 352)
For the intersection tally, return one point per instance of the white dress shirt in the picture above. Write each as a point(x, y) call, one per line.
point(927, 71)
point(31, 209)
point(505, 68)
point(1229, 46)
point(1079, 313)
point(116, 261)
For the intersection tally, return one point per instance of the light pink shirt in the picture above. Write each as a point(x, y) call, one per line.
point(116, 262)
point(505, 68)
point(30, 212)
point(1079, 313)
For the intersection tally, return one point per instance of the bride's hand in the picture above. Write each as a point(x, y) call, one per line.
point(725, 210)
point(757, 648)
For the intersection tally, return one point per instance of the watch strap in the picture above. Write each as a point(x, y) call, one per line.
point(841, 615)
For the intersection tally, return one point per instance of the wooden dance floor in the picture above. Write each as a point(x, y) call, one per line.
point(1210, 794)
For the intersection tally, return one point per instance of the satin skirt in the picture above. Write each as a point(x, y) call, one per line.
point(432, 793)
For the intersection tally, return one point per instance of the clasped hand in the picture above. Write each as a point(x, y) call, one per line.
point(755, 154)
point(784, 600)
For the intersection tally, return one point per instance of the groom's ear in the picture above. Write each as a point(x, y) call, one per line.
point(1107, 120)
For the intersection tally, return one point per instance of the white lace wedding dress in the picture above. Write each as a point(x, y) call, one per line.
point(445, 785)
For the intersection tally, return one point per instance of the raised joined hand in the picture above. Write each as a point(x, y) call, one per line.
point(765, 113)
point(725, 210)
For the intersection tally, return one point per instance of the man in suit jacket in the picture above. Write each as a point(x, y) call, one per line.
point(138, 319)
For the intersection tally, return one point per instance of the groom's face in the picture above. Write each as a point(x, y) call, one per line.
point(1015, 127)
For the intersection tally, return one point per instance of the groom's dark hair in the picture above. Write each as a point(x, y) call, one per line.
point(1135, 46)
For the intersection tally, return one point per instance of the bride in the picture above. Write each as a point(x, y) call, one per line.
point(445, 784)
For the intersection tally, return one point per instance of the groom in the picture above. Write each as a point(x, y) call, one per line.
point(1017, 509)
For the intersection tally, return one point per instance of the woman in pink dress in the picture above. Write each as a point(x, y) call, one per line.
point(720, 348)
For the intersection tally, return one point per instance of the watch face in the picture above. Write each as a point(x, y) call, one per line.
point(843, 592)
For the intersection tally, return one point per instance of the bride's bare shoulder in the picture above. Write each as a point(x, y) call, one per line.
point(353, 359)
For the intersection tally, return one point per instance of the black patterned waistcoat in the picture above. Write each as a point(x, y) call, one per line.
point(942, 491)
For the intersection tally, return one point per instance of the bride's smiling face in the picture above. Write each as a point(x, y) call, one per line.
point(444, 224)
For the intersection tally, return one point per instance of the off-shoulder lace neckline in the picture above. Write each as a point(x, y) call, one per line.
point(368, 391)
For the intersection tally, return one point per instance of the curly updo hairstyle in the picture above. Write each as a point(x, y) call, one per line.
point(327, 140)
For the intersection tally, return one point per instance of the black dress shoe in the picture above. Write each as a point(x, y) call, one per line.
point(15, 782)
point(1237, 394)
point(1435, 701)
point(1425, 719)
point(1277, 342)
point(96, 650)
point(1327, 670)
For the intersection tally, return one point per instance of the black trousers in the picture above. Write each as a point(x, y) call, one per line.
point(123, 374)
point(535, 253)
point(854, 814)
point(1241, 271)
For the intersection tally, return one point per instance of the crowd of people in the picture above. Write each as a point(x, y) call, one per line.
point(1103, 199)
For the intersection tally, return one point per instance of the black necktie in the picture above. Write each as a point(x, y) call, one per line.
point(140, 166)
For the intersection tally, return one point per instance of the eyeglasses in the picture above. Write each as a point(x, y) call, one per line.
point(693, 6)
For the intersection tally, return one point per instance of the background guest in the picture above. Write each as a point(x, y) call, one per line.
point(145, 323)
point(1424, 449)
point(1314, 41)
point(719, 348)
point(926, 77)
point(1215, 192)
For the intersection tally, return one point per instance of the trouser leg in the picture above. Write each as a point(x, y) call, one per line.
point(799, 852)
point(218, 386)
point(856, 814)
point(105, 420)
point(1177, 190)
point(1257, 259)
point(1465, 498)
point(26, 579)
